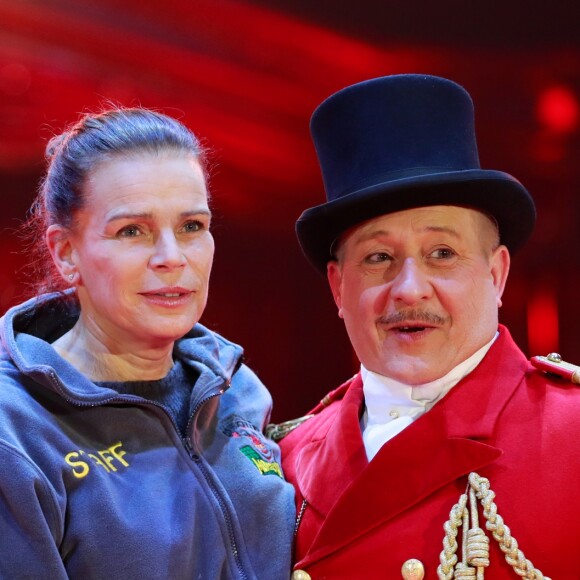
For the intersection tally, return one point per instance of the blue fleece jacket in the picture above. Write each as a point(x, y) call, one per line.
point(94, 484)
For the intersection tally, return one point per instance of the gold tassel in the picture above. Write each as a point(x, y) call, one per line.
point(475, 543)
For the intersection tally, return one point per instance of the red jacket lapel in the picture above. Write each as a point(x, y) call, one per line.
point(335, 456)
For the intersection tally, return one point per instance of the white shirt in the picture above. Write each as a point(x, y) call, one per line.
point(391, 406)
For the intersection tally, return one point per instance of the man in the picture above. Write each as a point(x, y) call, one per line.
point(396, 470)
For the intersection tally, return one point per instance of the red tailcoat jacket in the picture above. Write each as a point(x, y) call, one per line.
point(506, 421)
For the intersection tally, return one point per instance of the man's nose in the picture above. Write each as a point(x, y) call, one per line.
point(167, 252)
point(411, 284)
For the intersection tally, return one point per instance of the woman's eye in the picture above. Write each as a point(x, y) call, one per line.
point(193, 226)
point(378, 258)
point(131, 231)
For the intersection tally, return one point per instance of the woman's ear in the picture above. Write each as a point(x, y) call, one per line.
point(58, 240)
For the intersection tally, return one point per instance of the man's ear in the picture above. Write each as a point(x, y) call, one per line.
point(58, 240)
point(334, 275)
point(500, 267)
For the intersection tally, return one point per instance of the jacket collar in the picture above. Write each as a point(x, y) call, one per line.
point(28, 329)
point(453, 438)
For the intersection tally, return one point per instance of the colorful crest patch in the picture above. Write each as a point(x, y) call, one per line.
point(256, 449)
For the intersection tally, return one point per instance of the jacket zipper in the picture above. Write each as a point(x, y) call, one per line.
point(235, 552)
point(299, 516)
point(205, 472)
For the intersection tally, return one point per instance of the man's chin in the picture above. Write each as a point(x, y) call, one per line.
point(413, 371)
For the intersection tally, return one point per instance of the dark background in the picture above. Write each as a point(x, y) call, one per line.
point(246, 76)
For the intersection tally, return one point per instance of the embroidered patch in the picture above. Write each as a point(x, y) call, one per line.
point(264, 467)
point(256, 450)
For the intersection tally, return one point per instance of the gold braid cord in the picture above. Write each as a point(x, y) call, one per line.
point(474, 542)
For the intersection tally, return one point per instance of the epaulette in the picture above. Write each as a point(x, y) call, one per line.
point(329, 398)
point(277, 431)
point(554, 365)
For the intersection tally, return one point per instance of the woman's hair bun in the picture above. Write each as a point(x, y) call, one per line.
point(54, 145)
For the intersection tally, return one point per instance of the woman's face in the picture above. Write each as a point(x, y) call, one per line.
point(142, 250)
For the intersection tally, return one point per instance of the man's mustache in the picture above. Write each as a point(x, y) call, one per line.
point(413, 316)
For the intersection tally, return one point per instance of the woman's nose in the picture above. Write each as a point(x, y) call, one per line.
point(411, 284)
point(167, 253)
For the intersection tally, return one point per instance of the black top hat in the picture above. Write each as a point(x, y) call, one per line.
point(398, 142)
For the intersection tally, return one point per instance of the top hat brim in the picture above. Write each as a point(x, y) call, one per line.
point(493, 192)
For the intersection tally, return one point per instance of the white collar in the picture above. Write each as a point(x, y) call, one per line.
point(386, 397)
point(392, 406)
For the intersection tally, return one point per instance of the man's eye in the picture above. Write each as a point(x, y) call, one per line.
point(378, 258)
point(131, 231)
point(443, 254)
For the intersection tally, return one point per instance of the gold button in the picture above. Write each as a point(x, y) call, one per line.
point(300, 575)
point(413, 570)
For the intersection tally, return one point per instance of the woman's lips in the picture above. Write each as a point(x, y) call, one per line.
point(168, 297)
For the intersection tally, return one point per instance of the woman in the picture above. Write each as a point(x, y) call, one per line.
point(131, 438)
